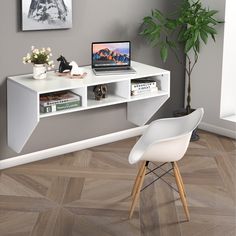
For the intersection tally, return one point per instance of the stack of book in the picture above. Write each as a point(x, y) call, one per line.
point(58, 101)
point(140, 86)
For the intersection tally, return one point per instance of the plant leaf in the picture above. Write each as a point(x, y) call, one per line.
point(181, 35)
point(164, 52)
point(189, 44)
point(147, 18)
point(196, 35)
point(170, 24)
point(213, 37)
point(204, 36)
point(159, 16)
point(210, 30)
point(197, 45)
point(211, 13)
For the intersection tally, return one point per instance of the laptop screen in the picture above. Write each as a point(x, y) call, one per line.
point(111, 54)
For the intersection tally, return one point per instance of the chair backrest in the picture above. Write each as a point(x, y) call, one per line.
point(166, 139)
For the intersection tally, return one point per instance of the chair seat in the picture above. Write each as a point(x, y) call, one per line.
point(166, 140)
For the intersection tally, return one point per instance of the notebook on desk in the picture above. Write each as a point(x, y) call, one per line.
point(111, 58)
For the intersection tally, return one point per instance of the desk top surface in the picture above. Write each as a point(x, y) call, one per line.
point(56, 83)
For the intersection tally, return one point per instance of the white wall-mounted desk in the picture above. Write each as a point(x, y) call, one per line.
point(23, 93)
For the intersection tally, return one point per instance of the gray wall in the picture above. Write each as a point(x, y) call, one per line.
point(92, 21)
point(214, 69)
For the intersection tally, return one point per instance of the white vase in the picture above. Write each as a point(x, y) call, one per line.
point(39, 71)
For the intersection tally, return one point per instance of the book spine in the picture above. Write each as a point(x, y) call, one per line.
point(144, 89)
point(137, 86)
point(137, 92)
point(60, 107)
point(45, 109)
point(67, 105)
point(64, 100)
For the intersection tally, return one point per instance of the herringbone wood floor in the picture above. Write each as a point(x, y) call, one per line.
point(87, 193)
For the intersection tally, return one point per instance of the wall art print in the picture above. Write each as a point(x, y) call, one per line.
point(46, 14)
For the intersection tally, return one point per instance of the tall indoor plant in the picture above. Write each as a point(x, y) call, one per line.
point(190, 26)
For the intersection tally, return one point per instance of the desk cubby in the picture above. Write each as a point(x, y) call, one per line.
point(117, 92)
point(23, 96)
point(162, 85)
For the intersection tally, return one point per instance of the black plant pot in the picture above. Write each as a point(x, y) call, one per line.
point(183, 112)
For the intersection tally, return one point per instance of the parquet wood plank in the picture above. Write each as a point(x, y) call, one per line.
point(88, 193)
point(45, 224)
point(17, 223)
point(74, 190)
point(74, 171)
point(25, 204)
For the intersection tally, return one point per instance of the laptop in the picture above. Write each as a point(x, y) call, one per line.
point(111, 58)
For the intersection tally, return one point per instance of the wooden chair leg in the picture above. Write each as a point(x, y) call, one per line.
point(180, 178)
point(137, 180)
point(137, 193)
point(181, 192)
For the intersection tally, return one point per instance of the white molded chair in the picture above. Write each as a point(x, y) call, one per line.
point(165, 140)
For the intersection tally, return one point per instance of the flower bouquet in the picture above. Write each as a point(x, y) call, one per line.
point(40, 58)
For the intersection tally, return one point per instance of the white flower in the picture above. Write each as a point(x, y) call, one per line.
point(49, 68)
point(53, 66)
point(36, 51)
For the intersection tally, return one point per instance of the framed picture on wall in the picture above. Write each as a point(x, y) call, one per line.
point(46, 14)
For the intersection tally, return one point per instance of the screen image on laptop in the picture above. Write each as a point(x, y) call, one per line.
point(111, 54)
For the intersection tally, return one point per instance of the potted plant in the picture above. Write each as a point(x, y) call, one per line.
point(190, 26)
point(40, 58)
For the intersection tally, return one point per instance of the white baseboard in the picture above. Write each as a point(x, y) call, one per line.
point(100, 140)
point(72, 147)
point(217, 130)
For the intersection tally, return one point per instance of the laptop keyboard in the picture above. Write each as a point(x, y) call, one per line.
point(112, 69)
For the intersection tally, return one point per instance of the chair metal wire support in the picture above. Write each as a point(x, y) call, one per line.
point(159, 176)
point(162, 168)
point(169, 173)
point(156, 178)
point(157, 167)
point(165, 180)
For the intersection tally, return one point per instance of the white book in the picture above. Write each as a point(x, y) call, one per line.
point(137, 86)
point(137, 92)
point(58, 98)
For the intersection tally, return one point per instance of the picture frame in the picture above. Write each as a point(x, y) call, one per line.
point(46, 14)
